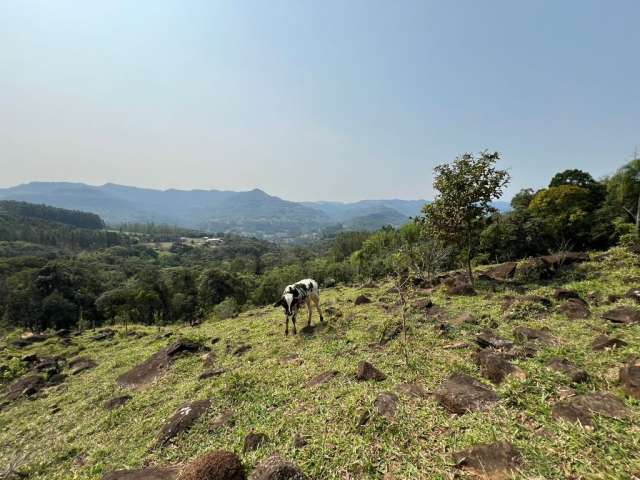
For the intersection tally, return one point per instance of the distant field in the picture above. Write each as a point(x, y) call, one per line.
point(65, 432)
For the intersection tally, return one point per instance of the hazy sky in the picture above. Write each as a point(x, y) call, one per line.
point(312, 100)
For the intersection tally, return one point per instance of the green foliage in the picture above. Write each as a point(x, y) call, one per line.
point(228, 308)
point(73, 218)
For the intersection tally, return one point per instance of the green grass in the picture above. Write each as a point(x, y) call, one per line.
point(270, 396)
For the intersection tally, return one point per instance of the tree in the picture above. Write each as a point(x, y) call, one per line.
point(579, 178)
point(623, 192)
point(522, 199)
point(465, 191)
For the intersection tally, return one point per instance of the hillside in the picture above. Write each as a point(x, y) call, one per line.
point(305, 386)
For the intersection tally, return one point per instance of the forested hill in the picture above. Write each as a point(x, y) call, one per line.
point(74, 218)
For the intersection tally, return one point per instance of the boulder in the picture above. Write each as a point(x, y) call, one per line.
point(156, 365)
point(181, 420)
point(116, 402)
point(362, 300)
point(367, 371)
point(564, 366)
point(623, 314)
point(604, 342)
point(26, 386)
point(80, 364)
point(501, 272)
point(491, 461)
point(148, 473)
point(495, 367)
point(386, 404)
point(630, 378)
point(216, 465)
point(462, 393)
point(276, 468)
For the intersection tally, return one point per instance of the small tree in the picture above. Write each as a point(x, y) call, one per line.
point(465, 191)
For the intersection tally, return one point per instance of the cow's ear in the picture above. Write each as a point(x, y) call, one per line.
point(278, 303)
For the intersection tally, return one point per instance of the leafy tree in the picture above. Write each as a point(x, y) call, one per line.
point(465, 191)
point(623, 193)
point(579, 178)
point(522, 199)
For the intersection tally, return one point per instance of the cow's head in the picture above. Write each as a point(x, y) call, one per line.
point(289, 303)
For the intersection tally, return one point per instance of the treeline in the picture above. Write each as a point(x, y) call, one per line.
point(73, 218)
point(44, 287)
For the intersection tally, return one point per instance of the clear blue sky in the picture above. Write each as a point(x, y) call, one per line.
point(311, 100)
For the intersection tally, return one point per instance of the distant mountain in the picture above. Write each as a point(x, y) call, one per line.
point(252, 212)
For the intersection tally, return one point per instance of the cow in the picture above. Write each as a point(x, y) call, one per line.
point(294, 296)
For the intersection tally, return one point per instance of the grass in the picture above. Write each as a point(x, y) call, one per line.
point(268, 395)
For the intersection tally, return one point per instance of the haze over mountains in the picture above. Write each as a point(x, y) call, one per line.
point(251, 212)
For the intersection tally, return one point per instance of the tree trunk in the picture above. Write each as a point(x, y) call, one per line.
point(469, 271)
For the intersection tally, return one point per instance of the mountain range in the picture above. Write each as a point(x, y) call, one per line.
point(252, 212)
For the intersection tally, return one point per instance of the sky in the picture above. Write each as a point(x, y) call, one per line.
point(314, 100)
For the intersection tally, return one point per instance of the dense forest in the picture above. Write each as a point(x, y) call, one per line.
point(63, 269)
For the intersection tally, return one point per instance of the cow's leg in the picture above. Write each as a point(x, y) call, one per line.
point(316, 301)
point(286, 325)
point(293, 320)
point(309, 310)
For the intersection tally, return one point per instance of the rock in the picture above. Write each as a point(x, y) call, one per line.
point(322, 378)
point(48, 366)
point(566, 258)
point(276, 468)
point(149, 473)
point(488, 339)
point(26, 386)
point(299, 440)
point(564, 294)
point(103, 335)
point(253, 441)
point(386, 404)
point(390, 332)
point(211, 372)
point(575, 309)
point(80, 364)
point(623, 314)
point(30, 358)
point(216, 465)
point(225, 419)
point(490, 461)
point(582, 407)
point(630, 378)
point(572, 413)
point(156, 365)
point(604, 342)
point(633, 294)
point(412, 390)
point(462, 393)
point(28, 340)
point(562, 365)
point(361, 300)
point(501, 272)
point(367, 371)
point(545, 302)
point(116, 402)
point(529, 334)
point(182, 420)
point(461, 288)
point(495, 367)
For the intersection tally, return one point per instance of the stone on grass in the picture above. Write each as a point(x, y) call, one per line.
point(116, 402)
point(362, 300)
point(499, 460)
point(501, 272)
point(623, 314)
point(253, 441)
point(148, 473)
point(462, 393)
point(581, 408)
point(630, 378)
point(80, 364)
point(277, 468)
point(26, 386)
point(526, 333)
point(367, 371)
point(562, 365)
point(460, 288)
point(495, 367)
point(489, 339)
point(181, 420)
point(564, 294)
point(322, 378)
point(216, 465)
point(105, 334)
point(575, 309)
point(386, 404)
point(604, 342)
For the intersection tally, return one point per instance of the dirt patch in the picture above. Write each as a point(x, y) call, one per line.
point(386, 404)
point(630, 378)
point(625, 315)
point(181, 420)
point(367, 371)
point(116, 402)
point(277, 468)
point(499, 460)
point(604, 342)
point(217, 465)
point(562, 365)
point(462, 393)
point(322, 378)
point(156, 365)
point(149, 473)
point(496, 368)
point(253, 441)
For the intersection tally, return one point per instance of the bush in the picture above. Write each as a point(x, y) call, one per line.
point(228, 308)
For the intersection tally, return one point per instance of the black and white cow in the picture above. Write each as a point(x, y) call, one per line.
point(294, 296)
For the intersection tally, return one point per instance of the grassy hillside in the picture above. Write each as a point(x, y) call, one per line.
point(65, 432)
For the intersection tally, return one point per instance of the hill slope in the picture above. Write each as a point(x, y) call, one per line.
point(66, 432)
